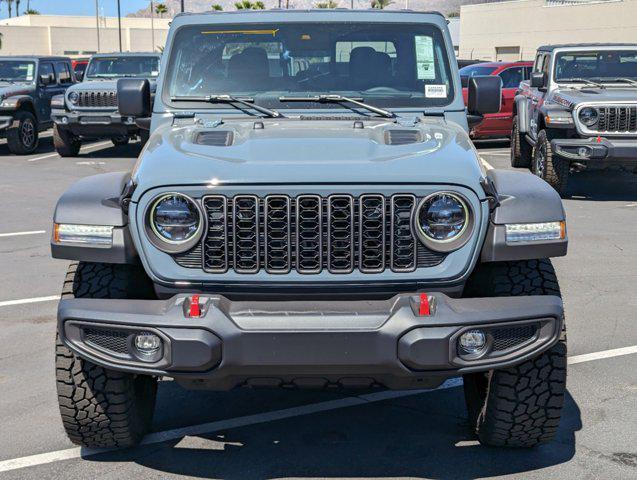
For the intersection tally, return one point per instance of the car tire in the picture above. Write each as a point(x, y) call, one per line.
point(102, 408)
point(521, 151)
point(66, 144)
point(120, 141)
point(22, 136)
point(519, 406)
point(550, 168)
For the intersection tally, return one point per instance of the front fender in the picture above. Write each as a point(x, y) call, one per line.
point(522, 112)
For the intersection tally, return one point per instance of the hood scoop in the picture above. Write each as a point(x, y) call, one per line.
point(215, 138)
point(403, 137)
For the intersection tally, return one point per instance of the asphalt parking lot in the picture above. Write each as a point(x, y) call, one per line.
point(280, 434)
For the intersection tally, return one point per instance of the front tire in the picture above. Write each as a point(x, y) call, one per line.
point(555, 171)
point(518, 406)
point(521, 151)
point(22, 136)
point(66, 144)
point(101, 407)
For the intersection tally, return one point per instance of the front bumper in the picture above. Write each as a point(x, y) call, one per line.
point(597, 152)
point(94, 124)
point(317, 344)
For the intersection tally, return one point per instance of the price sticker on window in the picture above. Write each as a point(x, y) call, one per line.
point(425, 66)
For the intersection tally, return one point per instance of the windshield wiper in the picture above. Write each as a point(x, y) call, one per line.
point(581, 80)
point(229, 99)
point(621, 79)
point(340, 99)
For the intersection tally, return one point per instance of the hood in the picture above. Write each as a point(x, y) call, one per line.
point(573, 97)
point(13, 89)
point(102, 85)
point(300, 151)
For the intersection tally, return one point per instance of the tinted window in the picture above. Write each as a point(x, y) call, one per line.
point(388, 65)
point(476, 70)
point(111, 67)
point(600, 65)
point(46, 69)
point(64, 73)
point(511, 77)
point(17, 71)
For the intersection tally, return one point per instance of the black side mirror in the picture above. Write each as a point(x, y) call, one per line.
point(464, 81)
point(485, 95)
point(538, 80)
point(47, 79)
point(79, 76)
point(133, 97)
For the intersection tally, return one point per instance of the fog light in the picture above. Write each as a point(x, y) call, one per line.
point(472, 341)
point(147, 344)
point(584, 152)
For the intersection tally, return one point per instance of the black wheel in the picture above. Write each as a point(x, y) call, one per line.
point(66, 144)
point(518, 406)
point(548, 167)
point(22, 136)
point(101, 407)
point(120, 141)
point(521, 151)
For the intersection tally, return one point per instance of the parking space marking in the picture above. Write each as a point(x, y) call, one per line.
point(22, 301)
point(83, 149)
point(19, 234)
point(486, 164)
point(211, 427)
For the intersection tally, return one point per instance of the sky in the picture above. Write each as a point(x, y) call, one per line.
point(76, 7)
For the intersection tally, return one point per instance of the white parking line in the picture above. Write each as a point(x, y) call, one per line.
point(83, 149)
point(486, 164)
point(19, 234)
point(22, 301)
point(211, 427)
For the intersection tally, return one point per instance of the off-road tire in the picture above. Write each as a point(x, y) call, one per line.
point(22, 135)
point(102, 407)
point(518, 406)
point(521, 151)
point(66, 144)
point(550, 168)
point(144, 135)
point(120, 142)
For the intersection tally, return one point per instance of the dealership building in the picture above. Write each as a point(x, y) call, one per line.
point(78, 36)
point(507, 31)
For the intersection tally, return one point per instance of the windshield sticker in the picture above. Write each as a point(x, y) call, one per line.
point(436, 91)
point(425, 57)
point(30, 71)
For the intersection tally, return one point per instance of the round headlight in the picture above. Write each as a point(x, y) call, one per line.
point(74, 97)
point(588, 116)
point(175, 221)
point(443, 221)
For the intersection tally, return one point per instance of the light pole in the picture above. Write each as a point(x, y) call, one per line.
point(152, 23)
point(183, 9)
point(119, 23)
point(97, 23)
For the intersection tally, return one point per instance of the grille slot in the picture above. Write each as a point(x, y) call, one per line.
point(111, 340)
point(277, 242)
point(619, 119)
point(216, 243)
point(340, 233)
point(97, 99)
point(309, 234)
point(403, 246)
point(510, 337)
point(245, 227)
point(372, 233)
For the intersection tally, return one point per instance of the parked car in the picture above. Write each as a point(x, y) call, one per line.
point(465, 63)
point(304, 224)
point(512, 74)
point(89, 109)
point(27, 85)
point(577, 112)
point(79, 67)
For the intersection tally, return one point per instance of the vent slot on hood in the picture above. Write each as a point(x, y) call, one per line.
point(402, 137)
point(215, 138)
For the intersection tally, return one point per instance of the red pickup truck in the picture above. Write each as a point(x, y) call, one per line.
point(511, 73)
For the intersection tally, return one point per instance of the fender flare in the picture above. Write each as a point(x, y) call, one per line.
point(522, 113)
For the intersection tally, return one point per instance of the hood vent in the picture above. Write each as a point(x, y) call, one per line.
point(402, 137)
point(215, 138)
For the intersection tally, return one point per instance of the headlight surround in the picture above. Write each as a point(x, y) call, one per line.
point(444, 221)
point(589, 116)
point(174, 222)
point(74, 98)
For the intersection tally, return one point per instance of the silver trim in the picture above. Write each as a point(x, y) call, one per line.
point(411, 229)
point(352, 233)
point(266, 237)
point(360, 233)
point(225, 234)
point(256, 231)
point(584, 130)
point(296, 229)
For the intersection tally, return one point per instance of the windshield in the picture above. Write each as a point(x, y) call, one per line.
point(600, 66)
point(476, 71)
point(389, 65)
point(17, 71)
point(123, 67)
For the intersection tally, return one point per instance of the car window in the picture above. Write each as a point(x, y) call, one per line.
point(46, 69)
point(539, 61)
point(476, 70)
point(511, 77)
point(63, 73)
point(527, 72)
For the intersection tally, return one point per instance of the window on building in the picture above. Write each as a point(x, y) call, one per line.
point(507, 54)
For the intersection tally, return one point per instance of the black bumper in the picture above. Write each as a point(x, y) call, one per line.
point(95, 124)
point(597, 152)
point(5, 122)
point(358, 343)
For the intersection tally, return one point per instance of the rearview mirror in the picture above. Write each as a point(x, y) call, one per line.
point(133, 97)
point(47, 79)
point(79, 76)
point(538, 80)
point(485, 95)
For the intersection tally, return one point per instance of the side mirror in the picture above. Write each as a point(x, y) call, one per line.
point(485, 95)
point(538, 80)
point(464, 81)
point(133, 97)
point(79, 76)
point(47, 79)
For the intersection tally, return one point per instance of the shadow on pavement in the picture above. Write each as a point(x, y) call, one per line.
point(421, 436)
point(609, 185)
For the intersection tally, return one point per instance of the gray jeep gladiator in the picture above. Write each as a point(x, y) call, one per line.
point(89, 109)
point(27, 85)
point(577, 112)
point(309, 212)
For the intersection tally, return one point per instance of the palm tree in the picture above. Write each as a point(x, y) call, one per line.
point(328, 4)
point(160, 9)
point(248, 5)
point(216, 6)
point(9, 7)
point(17, 8)
point(380, 4)
point(30, 11)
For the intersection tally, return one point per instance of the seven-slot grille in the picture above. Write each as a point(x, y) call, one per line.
point(97, 99)
point(619, 119)
point(309, 234)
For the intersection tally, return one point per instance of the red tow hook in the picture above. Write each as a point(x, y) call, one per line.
point(424, 309)
point(194, 311)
